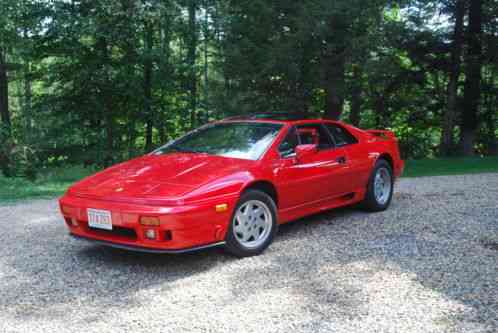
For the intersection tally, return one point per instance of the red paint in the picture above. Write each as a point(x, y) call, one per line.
point(184, 189)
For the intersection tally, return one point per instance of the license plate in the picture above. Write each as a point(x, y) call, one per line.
point(100, 219)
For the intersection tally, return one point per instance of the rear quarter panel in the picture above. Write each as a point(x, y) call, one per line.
point(376, 146)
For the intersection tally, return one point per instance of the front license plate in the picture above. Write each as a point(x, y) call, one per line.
point(100, 219)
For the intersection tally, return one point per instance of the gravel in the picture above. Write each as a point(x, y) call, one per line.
point(428, 264)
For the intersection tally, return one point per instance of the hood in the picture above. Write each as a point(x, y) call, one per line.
point(168, 176)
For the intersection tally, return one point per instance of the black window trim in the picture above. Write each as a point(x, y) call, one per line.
point(294, 128)
point(291, 129)
point(344, 129)
point(332, 140)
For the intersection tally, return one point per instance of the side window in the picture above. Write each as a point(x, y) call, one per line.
point(315, 134)
point(288, 146)
point(341, 136)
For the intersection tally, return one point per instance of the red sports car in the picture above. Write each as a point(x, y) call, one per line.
point(231, 183)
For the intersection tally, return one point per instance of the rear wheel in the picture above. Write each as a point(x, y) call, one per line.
point(253, 224)
point(380, 187)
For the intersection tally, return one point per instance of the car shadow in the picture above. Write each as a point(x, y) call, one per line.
point(52, 269)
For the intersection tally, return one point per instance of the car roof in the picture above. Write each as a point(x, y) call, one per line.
point(277, 117)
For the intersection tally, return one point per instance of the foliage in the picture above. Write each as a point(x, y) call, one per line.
point(93, 82)
point(51, 182)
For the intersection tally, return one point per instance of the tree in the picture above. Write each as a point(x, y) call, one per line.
point(4, 93)
point(149, 40)
point(105, 80)
point(450, 113)
point(341, 30)
point(8, 39)
point(191, 60)
point(472, 90)
point(334, 64)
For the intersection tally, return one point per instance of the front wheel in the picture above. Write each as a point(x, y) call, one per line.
point(253, 224)
point(380, 187)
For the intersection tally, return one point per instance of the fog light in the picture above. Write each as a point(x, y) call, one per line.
point(148, 220)
point(74, 222)
point(150, 234)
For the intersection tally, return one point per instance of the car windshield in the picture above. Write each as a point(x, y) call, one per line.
point(244, 140)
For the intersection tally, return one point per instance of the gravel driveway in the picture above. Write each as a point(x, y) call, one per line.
point(428, 264)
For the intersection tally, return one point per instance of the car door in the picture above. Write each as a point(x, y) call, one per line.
point(315, 178)
point(359, 165)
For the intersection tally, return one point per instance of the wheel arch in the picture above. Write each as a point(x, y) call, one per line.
point(388, 158)
point(263, 186)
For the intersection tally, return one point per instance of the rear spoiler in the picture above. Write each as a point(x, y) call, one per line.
point(383, 134)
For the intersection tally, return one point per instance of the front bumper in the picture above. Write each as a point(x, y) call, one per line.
point(182, 229)
point(147, 249)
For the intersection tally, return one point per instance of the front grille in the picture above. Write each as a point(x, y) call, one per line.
point(116, 231)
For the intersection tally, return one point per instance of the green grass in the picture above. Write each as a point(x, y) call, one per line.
point(54, 182)
point(450, 166)
point(49, 184)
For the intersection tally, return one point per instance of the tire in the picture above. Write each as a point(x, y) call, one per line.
point(374, 201)
point(249, 234)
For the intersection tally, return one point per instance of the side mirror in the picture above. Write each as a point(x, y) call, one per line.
point(302, 151)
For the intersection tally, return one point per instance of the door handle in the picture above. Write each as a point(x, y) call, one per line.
point(341, 160)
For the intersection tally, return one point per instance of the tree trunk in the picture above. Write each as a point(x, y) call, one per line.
point(492, 141)
point(191, 60)
point(472, 92)
point(129, 61)
point(131, 137)
point(162, 134)
point(302, 90)
point(381, 115)
point(334, 61)
point(4, 94)
point(109, 130)
point(106, 99)
point(5, 125)
point(491, 115)
point(354, 117)
point(206, 63)
point(28, 96)
point(148, 86)
point(334, 86)
point(164, 68)
point(452, 88)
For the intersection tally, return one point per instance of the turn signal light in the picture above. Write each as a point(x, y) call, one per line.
point(71, 222)
point(66, 210)
point(149, 221)
point(221, 208)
